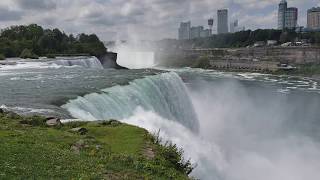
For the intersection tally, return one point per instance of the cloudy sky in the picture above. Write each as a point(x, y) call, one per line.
point(143, 19)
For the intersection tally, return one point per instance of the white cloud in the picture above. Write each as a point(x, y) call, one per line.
point(147, 19)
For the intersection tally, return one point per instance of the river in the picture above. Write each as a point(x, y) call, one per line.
point(233, 126)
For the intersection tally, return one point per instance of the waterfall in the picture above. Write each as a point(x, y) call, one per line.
point(164, 94)
point(91, 62)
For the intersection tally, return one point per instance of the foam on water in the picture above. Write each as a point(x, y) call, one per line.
point(91, 62)
point(163, 94)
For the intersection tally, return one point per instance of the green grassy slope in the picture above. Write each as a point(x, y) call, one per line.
point(31, 150)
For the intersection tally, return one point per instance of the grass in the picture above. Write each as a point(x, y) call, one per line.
point(110, 150)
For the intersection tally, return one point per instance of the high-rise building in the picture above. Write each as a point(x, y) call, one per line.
point(206, 33)
point(281, 14)
point(210, 24)
point(314, 19)
point(195, 32)
point(291, 18)
point(234, 26)
point(287, 17)
point(184, 30)
point(223, 21)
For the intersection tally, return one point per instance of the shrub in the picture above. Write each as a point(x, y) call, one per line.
point(28, 54)
point(34, 121)
point(2, 57)
point(173, 154)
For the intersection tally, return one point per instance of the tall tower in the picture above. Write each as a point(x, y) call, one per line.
point(282, 14)
point(210, 24)
point(223, 21)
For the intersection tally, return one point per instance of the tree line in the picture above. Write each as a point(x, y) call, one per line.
point(32, 41)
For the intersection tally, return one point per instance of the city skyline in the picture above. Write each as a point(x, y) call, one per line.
point(141, 19)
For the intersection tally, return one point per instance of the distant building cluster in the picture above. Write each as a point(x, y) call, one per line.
point(287, 19)
point(188, 32)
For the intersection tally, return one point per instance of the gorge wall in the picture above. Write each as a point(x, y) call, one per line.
point(258, 59)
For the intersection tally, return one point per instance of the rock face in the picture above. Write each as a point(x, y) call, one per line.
point(109, 60)
point(259, 59)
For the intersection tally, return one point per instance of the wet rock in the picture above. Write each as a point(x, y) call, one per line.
point(53, 122)
point(1, 111)
point(81, 131)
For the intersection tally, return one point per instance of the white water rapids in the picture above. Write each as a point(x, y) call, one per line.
point(91, 62)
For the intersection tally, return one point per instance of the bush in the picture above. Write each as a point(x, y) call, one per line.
point(28, 54)
point(34, 121)
point(2, 57)
point(173, 154)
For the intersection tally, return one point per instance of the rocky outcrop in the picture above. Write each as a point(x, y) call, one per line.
point(109, 60)
point(52, 121)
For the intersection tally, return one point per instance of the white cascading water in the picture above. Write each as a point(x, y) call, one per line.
point(91, 62)
point(164, 94)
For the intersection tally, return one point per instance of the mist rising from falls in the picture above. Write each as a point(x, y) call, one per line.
point(164, 94)
point(85, 62)
point(132, 57)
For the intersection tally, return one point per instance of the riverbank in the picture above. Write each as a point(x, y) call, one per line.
point(32, 147)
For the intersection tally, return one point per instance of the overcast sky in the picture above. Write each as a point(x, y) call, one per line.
point(143, 19)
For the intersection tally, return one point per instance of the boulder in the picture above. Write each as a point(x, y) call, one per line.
point(81, 131)
point(53, 122)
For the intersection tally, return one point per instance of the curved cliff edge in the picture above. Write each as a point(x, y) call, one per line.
point(109, 60)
